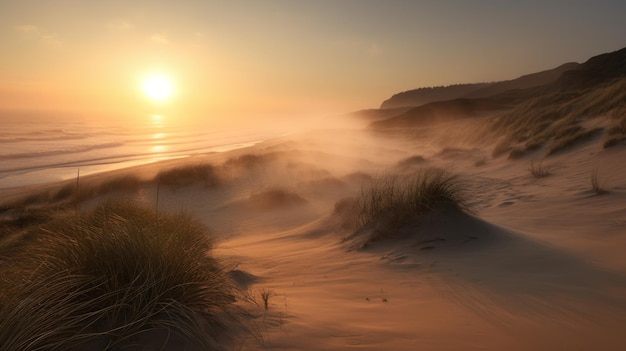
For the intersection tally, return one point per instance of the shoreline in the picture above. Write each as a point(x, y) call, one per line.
point(60, 173)
point(535, 253)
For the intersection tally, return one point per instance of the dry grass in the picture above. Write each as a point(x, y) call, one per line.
point(265, 296)
point(275, 198)
point(502, 147)
point(415, 160)
point(616, 134)
point(189, 174)
point(105, 279)
point(556, 119)
point(516, 153)
point(250, 162)
point(391, 202)
point(538, 170)
point(572, 139)
point(74, 192)
point(597, 184)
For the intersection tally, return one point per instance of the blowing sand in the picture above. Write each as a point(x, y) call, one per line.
point(537, 264)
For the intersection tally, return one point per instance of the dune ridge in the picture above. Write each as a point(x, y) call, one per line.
point(420, 237)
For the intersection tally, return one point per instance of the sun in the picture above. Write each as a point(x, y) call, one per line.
point(158, 87)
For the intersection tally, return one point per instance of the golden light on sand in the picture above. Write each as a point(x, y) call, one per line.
point(158, 87)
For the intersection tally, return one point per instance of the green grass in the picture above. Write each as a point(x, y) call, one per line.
point(105, 278)
point(389, 203)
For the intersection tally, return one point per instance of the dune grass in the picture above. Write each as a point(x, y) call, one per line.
point(73, 191)
point(538, 170)
point(251, 162)
point(390, 202)
point(81, 191)
point(556, 120)
point(412, 161)
point(616, 133)
point(597, 184)
point(571, 139)
point(275, 198)
point(103, 279)
point(189, 174)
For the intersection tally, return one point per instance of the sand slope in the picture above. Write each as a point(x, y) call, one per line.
point(537, 265)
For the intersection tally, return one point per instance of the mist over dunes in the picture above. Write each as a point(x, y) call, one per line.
point(425, 106)
point(482, 216)
point(566, 77)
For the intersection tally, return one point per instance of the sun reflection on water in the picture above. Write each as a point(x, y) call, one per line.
point(159, 148)
point(158, 145)
point(157, 121)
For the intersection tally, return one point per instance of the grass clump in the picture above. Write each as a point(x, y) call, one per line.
point(189, 174)
point(596, 183)
point(274, 198)
point(113, 278)
point(571, 139)
point(616, 134)
point(411, 161)
point(391, 202)
point(501, 148)
point(74, 192)
point(557, 119)
point(538, 170)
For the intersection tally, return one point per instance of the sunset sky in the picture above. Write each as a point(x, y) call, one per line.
point(257, 58)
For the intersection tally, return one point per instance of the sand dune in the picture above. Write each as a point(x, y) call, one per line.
point(536, 263)
point(413, 233)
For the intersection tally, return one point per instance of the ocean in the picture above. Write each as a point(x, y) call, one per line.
point(37, 149)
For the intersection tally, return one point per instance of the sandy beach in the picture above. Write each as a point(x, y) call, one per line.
point(536, 263)
point(312, 175)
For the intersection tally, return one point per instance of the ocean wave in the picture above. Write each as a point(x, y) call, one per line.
point(43, 138)
point(64, 151)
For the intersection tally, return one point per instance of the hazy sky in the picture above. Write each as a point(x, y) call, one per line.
point(276, 57)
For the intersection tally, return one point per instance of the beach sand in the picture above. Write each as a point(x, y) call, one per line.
point(537, 264)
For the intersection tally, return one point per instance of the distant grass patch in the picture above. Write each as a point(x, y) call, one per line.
point(616, 133)
point(391, 202)
point(597, 184)
point(501, 148)
point(276, 197)
point(248, 162)
point(538, 170)
point(110, 278)
point(516, 153)
point(189, 174)
point(83, 190)
point(571, 139)
point(480, 162)
point(412, 161)
point(557, 119)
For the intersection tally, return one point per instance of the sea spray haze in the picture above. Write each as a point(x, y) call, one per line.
point(42, 148)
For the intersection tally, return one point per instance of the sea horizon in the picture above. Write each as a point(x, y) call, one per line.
point(45, 150)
